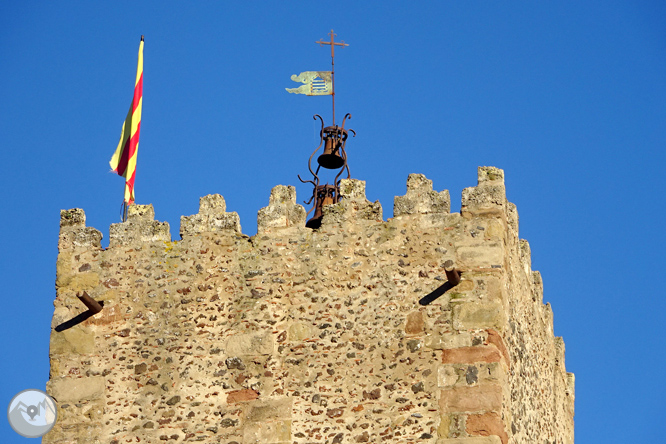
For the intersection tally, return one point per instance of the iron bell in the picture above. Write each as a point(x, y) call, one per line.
point(333, 156)
point(326, 195)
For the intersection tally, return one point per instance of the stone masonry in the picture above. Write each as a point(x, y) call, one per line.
point(301, 336)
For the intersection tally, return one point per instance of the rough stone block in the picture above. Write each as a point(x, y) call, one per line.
point(193, 225)
point(482, 255)
point(76, 389)
point(282, 210)
point(490, 174)
point(85, 237)
point(488, 197)
point(414, 324)
point(444, 427)
point(487, 424)
point(77, 340)
point(299, 331)
point(212, 204)
point(353, 206)
point(274, 432)
point(471, 315)
point(74, 233)
point(420, 198)
point(223, 222)
point(447, 376)
point(279, 408)
point(140, 227)
point(493, 288)
point(495, 229)
point(478, 201)
point(353, 190)
point(471, 355)
point(449, 340)
point(481, 398)
point(212, 217)
point(73, 218)
point(78, 282)
point(140, 213)
point(250, 344)
point(282, 195)
point(495, 339)
point(244, 395)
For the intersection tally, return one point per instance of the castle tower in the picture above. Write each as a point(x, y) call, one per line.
point(348, 333)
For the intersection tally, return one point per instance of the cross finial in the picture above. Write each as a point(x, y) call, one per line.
point(333, 44)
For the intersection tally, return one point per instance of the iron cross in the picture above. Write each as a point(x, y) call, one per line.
point(333, 44)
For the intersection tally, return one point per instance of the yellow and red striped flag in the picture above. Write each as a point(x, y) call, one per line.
point(123, 161)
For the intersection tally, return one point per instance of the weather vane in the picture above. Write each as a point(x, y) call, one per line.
point(334, 138)
point(319, 83)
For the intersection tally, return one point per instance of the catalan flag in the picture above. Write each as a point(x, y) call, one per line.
point(123, 161)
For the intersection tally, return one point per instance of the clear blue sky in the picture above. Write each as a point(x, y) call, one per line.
point(567, 97)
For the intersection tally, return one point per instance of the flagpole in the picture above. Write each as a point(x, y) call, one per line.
point(123, 160)
point(125, 205)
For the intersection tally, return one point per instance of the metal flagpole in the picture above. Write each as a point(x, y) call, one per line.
point(123, 211)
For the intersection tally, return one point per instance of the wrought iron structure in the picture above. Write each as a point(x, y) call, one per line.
point(334, 140)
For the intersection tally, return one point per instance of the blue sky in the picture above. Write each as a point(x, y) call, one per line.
point(567, 97)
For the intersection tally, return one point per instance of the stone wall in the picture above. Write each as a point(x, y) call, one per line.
point(350, 333)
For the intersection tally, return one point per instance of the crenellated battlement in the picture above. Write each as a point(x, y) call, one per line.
point(426, 327)
point(212, 218)
point(283, 211)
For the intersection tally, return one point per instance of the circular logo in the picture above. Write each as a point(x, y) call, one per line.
point(32, 413)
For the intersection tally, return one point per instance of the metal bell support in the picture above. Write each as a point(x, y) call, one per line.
point(334, 139)
point(326, 195)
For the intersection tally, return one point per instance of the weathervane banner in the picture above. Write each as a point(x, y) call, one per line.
point(123, 161)
point(316, 83)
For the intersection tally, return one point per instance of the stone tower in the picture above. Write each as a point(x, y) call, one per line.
point(349, 333)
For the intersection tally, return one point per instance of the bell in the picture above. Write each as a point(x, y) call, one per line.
point(315, 222)
point(335, 138)
point(331, 158)
point(326, 195)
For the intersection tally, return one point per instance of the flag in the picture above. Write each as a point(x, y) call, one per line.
point(316, 83)
point(123, 161)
